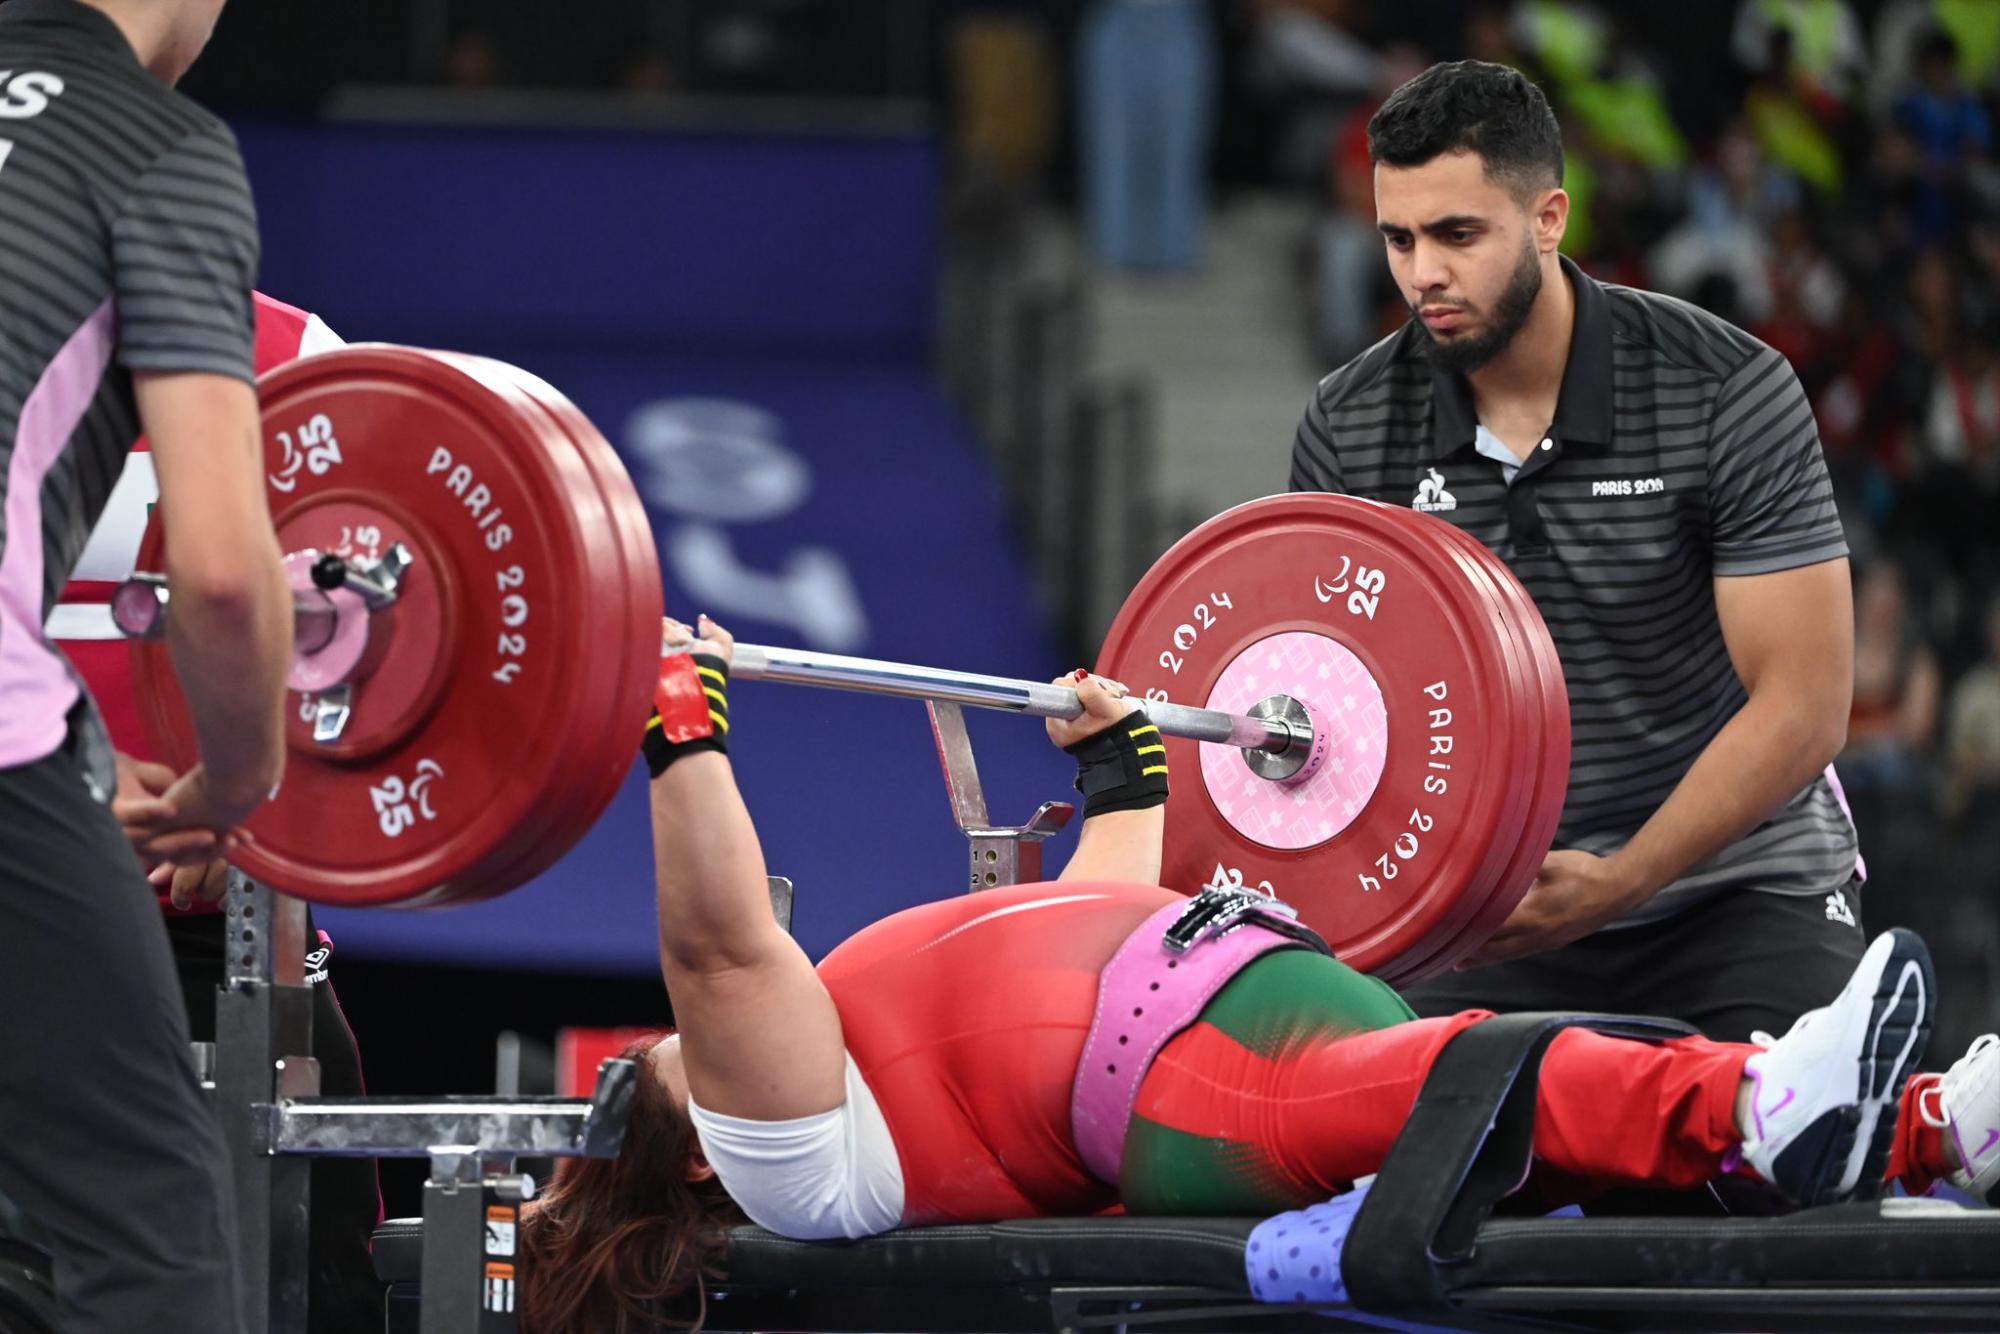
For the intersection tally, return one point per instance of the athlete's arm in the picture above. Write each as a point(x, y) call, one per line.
point(759, 1034)
point(1117, 845)
point(229, 624)
point(1791, 638)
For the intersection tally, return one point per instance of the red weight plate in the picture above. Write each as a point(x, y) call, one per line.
point(1329, 582)
point(573, 765)
point(1502, 885)
point(597, 757)
point(1553, 739)
point(1521, 705)
point(1552, 785)
point(1479, 894)
point(435, 791)
point(604, 769)
point(598, 761)
point(1548, 775)
point(1496, 883)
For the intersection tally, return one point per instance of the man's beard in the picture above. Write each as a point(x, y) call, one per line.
point(1460, 356)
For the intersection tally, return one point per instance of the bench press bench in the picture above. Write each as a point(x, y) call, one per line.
point(1424, 1247)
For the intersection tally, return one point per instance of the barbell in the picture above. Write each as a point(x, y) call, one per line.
point(476, 593)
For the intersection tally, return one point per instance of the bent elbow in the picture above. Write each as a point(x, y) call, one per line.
point(699, 953)
point(1820, 735)
point(679, 954)
point(711, 949)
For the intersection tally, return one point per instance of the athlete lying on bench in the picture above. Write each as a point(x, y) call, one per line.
point(926, 1071)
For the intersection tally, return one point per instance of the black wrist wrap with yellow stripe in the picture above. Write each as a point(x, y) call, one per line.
point(690, 711)
point(1122, 768)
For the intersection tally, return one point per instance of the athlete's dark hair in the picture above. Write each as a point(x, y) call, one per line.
point(627, 1244)
point(1470, 105)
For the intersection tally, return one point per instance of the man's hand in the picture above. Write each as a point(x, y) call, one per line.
point(139, 779)
point(1104, 703)
point(1576, 893)
point(177, 820)
point(704, 636)
point(186, 884)
point(198, 871)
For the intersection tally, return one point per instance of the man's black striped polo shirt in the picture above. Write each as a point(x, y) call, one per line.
point(1682, 449)
point(128, 242)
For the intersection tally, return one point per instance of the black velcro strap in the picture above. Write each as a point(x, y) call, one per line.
point(700, 702)
point(1466, 1146)
point(1123, 767)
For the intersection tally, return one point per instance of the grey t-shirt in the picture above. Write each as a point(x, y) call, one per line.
point(1682, 449)
point(128, 242)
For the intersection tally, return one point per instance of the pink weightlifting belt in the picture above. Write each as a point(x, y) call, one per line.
point(1154, 986)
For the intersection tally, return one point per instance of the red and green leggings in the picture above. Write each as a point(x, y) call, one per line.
point(1299, 1075)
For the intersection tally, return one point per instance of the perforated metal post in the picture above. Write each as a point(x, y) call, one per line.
point(471, 1264)
point(263, 1030)
point(1001, 854)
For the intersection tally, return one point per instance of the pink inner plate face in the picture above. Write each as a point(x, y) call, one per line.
point(1324, 673)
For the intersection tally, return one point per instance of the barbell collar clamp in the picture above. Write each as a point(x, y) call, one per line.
point(139, 605)
point(331, 709)
point(378, 581)
point(1278, 766)
point(139, 610)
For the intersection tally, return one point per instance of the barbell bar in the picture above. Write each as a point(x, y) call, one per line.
point(1275, 734)
point(1283, 734)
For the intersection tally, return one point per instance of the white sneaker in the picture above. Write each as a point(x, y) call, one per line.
point(1822, 1098)
point(1966, 1105)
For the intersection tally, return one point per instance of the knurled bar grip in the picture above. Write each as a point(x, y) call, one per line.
point(801, 667)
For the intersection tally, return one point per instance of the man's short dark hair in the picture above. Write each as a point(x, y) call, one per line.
point(1472, 106)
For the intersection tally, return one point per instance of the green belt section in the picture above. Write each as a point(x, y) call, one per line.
point(1275, 1003)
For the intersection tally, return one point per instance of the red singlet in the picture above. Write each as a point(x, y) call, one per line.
point(967, 1018)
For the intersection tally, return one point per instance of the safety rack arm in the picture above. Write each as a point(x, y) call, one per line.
point(473, 1198)
point(492, 1126)
point(757, 662)
point(275, 1123)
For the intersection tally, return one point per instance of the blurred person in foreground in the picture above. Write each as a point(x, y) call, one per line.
point(1654, 476)
point(128, 245)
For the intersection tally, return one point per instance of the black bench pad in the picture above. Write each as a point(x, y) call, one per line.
point(1847, 1266)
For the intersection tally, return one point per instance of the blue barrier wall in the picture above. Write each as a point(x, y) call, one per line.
point(747, 320)
point(605, 237)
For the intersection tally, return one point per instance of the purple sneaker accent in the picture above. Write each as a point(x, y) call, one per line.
point(1967, 1099)
point(1783, 1103)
